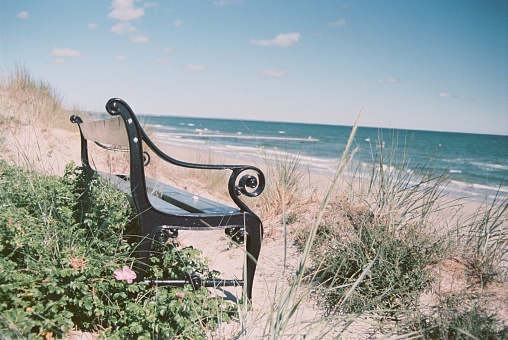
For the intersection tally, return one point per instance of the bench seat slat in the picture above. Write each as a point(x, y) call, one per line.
point(124, 185)
point(187, 201)
point(173, 201)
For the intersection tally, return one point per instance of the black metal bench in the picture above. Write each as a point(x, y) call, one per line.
point(162, 210)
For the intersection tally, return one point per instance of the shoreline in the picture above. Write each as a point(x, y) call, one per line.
point(326, 168)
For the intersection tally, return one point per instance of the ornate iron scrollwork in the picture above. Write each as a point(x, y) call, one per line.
point(236, 234)
point(146, 158)
point(112, 107)
point(248, 181)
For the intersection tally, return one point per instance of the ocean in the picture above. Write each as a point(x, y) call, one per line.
point(476, 164)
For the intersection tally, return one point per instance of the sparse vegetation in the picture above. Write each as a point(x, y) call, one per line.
point(368, 252)
point(26, 100)
point(374, 252)
point(284, 183)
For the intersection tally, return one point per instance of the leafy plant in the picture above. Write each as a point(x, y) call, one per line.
point(61, 240)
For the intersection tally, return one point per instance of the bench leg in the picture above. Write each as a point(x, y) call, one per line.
point(143, 255)
point(253, 245)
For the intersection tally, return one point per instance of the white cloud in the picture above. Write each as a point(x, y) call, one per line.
point(121, 58)
point(123, 28)
point(140, 39)
point(273, 73)
point(338, 23)
point(65, 53)
point(23, 15)
point(282, 40)
point(196, 68)
point(446, 95)
point(92, 26)
point(162, 61)
point(388, 81)
point(125, 10)
point(178, 23)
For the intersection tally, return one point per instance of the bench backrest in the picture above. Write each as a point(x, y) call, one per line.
point(107, 131)
point(120, 132)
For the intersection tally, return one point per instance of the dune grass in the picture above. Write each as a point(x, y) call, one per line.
point(26, 100)
point(368, 251)
point(375, 251)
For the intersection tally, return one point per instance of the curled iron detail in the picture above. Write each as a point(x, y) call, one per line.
point(248, 185)
point(112, 107)
point(146, 158)
point(76, 119)
point(248, 181)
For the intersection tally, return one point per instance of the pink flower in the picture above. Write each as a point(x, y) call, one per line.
point(125, 273)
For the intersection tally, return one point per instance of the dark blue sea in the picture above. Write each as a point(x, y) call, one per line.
point(476, 164)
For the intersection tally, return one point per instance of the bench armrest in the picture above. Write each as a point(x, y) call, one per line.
point(244, 179)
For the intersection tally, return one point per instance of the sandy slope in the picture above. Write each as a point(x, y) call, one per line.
point(49, 150)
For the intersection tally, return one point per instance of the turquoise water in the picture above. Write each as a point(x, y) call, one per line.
point(477, 164)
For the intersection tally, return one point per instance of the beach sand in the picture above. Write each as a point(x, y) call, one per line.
point(50, 150)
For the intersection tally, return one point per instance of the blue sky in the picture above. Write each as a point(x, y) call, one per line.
point(430, 65)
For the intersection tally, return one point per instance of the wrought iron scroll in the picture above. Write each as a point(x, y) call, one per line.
point(248, 181)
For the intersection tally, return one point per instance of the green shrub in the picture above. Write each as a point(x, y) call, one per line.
point(457, 317)
point(351, 239)
point(60, 242)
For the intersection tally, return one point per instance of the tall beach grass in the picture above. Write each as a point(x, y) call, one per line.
point(368, 260)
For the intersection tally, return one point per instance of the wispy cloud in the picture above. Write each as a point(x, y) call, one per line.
point(339, 23)
point(140, 39)
point(178, 23)
point(196, 68)
point(388, 81)
point(446, 95)
point(281, 40)
point(125, 10)
point(121, 58)
point(23, 15)
point(92, 26)
point(62, 55)
point(123, 28)
point(226, 2)
point(162, 61)
point(273, 73)
point(65, 53)
point(454, 96)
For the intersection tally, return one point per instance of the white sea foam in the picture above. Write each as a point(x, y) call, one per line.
point(489, 166)
point(240, 136)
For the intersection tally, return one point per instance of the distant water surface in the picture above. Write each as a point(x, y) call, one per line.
point(477, 164)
